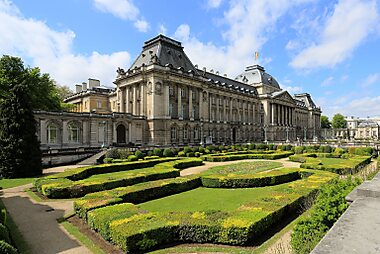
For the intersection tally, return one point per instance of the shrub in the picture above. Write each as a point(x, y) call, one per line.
point(167, 152)
point(123, 153)
point(139, 154)
point(299, 149)
point(112, 153)
point(107, 160)
point(157, 152)
point(4, 233)
point(271, 147)
point(181, 154)
point(190, 154)
point(261, 146)
point(132, 158)
point(251, 146)
point(7, 248)
point(329, 206)
point(201, 150)
point(187, 149)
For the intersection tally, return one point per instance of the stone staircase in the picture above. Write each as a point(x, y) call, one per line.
point(93, 159)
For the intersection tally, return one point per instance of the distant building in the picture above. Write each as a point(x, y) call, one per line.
point(163, 99)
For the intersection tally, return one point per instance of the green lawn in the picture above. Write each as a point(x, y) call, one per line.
point(334, 161)
point(243, 168)
point(116, 175)
point(203, 199)
point(10, 183)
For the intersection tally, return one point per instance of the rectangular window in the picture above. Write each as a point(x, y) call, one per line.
point(99, 104)
point(170, 109)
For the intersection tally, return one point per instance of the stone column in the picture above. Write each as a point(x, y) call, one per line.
point(122, 100)
point(191, 116)
point(272, 112)
point(179, 101)
point(142, 101)
point(127, 100)
point(231, 118)
point(200, 104)
point(134, 105)
point(167, 101)
point(217, 109)
point(224, 110)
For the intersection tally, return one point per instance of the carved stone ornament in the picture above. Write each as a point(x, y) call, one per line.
point(204, 95)
point(120, 72)
point(158, 88)
point(150, 88)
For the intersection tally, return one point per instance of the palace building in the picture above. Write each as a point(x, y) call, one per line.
point(164, 99)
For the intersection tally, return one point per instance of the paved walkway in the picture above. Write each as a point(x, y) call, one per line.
point(37, 221)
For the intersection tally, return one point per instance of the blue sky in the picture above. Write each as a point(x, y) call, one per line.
point(330, 49)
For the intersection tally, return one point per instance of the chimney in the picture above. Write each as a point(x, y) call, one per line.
point(78, 88)
point(93, 83)
point(84, 86)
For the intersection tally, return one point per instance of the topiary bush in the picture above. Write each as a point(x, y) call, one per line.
point(7, 248)
point(132, 158)
point(139, 154)
point(157, 152)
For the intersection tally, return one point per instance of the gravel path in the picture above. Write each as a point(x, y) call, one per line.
point(37, 221)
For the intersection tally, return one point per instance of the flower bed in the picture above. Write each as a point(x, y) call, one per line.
point(232, 157)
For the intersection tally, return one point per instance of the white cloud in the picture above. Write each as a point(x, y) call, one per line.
point(123, 9)
point(327, 82)
point(249, 24)
point(214, 3)
point(142, 25)
point(182, 32)
point(162, 29)
point(51, 50)
point(361, 107)
point(292, 89)
point(349, 25)
point(370, 80)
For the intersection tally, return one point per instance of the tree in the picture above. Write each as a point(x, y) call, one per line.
point(338, 121)
point(43, 91)
point(63, 92)
point(20, 154)
point(325, 123)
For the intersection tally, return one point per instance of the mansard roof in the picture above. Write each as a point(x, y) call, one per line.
point(164, 51)
point(225, 82)
point(368, 124)
point(306, 99)
point(256, 75)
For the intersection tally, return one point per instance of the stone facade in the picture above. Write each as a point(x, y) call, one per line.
point(57, 131)
point(179, 104)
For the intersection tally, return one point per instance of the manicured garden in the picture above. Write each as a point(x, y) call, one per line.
point(185, 209)
point(141, 204)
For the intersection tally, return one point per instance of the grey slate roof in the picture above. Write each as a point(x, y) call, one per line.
point(306, 99)
point(228, 83)
point(164, 51)
point(256, 74)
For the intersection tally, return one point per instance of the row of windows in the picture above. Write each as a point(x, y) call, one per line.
point(73, 133)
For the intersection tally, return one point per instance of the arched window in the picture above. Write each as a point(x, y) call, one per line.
point(73, 129)
point(52, 134)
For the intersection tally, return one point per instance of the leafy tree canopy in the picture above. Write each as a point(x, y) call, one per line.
point(20, 154)
point(325, 123)
point(338, 121)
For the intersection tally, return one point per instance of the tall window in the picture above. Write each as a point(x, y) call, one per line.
point(99, 104)
point(195, 133)
point(73, 133)
point(193, 112)
point(173, 133)
point(185, 133)
point(184, 111)
point(52, 134)
point(170, 109)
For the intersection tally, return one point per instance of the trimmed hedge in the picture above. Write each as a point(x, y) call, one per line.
point(135, 194)
point(261, 179)
point(66, 188)
point(7, 248)
point(270, 156)
point(135, 230)
point(351, 165)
